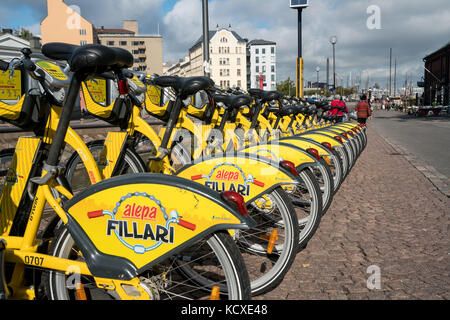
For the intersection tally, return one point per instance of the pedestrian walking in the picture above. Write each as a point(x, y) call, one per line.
point(339, 108)
point(363, 110)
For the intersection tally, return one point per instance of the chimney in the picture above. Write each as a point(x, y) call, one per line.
point(35, 44)
point(131, 25)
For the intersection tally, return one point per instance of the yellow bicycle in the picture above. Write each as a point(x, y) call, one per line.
point(122, 238)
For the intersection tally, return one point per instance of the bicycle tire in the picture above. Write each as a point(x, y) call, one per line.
point(225, 252)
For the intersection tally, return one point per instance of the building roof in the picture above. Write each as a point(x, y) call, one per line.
point(213, 33)
point(102, 30)
point(260, 42)
point(447, 46)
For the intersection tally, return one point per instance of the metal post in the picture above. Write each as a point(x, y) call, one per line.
point(206, 38)
point(299, 64)
point(334, 67)
point(390, 72)
point(328, 74)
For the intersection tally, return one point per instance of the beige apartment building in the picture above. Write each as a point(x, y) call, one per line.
point(228, 59)
point(65, 24)
point(146, 49)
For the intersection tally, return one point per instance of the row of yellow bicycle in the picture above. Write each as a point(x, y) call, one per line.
point(213, 203)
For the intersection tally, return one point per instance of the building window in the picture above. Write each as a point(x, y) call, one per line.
point(238, 72)
point(82, 32)
point(83, 42)
point(263, 68)
point(135, 43)
point(122, 43)
point(272, 50)
point(110, 43)
point(273, 77)
point(263, 51)
point(272, 68)
point(239, 83)
point(238, 61)
point(257, 68)
point(257, 59)
point(257, 51)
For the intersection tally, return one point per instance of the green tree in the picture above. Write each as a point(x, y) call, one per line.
point(23, 33)
point(287, 87)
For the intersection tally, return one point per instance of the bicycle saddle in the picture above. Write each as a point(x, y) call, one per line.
point(321, 104)
point(185, 86)
point(234, 102)
point(95, 56)
point(288, 110)
point(265, 96)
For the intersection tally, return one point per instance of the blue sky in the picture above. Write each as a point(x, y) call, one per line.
point(413, 29)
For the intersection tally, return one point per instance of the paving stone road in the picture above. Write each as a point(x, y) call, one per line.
point(386, 214)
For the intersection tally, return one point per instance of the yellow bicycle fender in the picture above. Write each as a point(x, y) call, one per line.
point(303, 144)
point(280, 152)
point(322, 138)
point(16, 180)
point(244, 173)
point(127, 224)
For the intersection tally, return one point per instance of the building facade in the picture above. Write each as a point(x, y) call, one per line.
point(437, 77)
point(146, 49)
point(227, 59)
point(65, 24)
point(261, 64)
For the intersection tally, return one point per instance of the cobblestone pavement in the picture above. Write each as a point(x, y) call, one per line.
point(386, 214)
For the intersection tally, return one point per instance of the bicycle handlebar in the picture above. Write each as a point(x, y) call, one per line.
point(4, 66)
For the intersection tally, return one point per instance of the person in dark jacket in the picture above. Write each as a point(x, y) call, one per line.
point(363, 110)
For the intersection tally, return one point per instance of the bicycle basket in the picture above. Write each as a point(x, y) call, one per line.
point(95, 97)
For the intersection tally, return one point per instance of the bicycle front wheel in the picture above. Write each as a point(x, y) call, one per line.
point(215, 259)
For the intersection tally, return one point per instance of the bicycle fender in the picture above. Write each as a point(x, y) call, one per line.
point(282, 151)
point(249, 175)
point(127, 224)
point(321, 138)
point(305, 144)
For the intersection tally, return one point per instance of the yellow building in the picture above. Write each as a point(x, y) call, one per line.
point(65, 24)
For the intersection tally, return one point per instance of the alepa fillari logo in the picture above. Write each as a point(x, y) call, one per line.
point(229, 177)
point(12, 177)
point(134, 223)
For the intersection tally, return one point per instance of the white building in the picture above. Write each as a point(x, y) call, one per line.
point(262, 62)
point(228, 57)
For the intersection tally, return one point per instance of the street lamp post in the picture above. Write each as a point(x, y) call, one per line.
point(333, 41)
point(299, 5)
point(206, 38)
point(317, 86)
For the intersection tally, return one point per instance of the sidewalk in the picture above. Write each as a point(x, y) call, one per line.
point(387, 214)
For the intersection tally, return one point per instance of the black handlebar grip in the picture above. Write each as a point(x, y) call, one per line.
point(4, 65)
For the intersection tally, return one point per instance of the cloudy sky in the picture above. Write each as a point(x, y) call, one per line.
point(365, 29)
